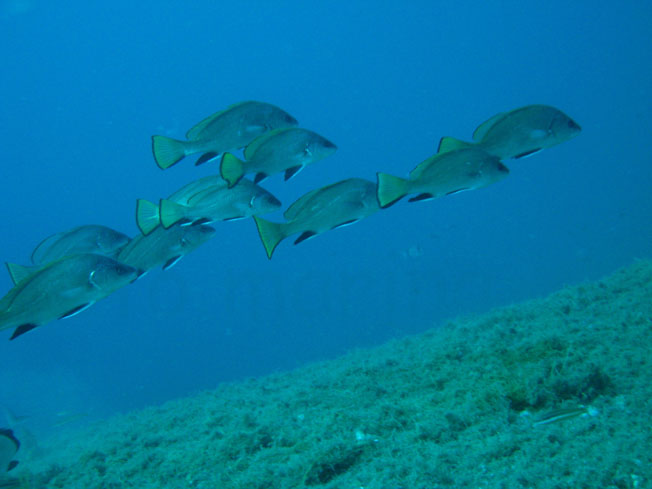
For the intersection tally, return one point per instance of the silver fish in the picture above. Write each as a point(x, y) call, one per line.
point(287, 149)
point(220, 203)
point(164, 247)
point(320, 210)
point(147, 213)
point(519, 132)
point(91, 238)
point(62, 289)
point(227, 130)
point(443, 174)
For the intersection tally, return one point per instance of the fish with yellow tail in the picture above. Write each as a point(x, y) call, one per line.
point(60, 289)
point(286, 150)
point(518, 133)
point(230, 129)
point(89, 238)
point(442, 174)
point(330, 207)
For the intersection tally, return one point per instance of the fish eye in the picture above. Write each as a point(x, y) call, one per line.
point(572, 124)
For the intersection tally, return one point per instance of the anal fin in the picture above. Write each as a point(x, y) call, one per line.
point(346, 223)
point(527, 153)
point(171, 262)
point(457, 191)
point(76, 310)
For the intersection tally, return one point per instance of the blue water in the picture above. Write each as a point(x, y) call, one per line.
point(85, 84)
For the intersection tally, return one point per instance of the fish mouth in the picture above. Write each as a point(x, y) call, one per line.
point(328, 144)
point(502, 167)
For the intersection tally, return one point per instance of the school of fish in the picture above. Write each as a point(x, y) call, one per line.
point(73, 269)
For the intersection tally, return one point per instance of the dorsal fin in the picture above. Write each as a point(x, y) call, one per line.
point(295, 208)
point(18, 273)
point(44, 246)
point(448, 143)
point(483, 128)
point(194, 131)
point(253, 146)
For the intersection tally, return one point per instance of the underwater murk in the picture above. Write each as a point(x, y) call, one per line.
point(361, 245)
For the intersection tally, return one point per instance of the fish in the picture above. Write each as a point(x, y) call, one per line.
point(164, 247)
point(61, 289)
point(230, 129)
point(562, 414)
point(287, 149)
point(220, 203)
point(330, 207)
point(147, 213)
point(519, 133)
point(443, 174)
point(90, 238)
point(9, 446)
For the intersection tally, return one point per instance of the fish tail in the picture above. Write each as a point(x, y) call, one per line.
point(390, 189)
point(147, 216)
point(167, 151)
point(231, 169)
point(271, 234)
point(171, 212)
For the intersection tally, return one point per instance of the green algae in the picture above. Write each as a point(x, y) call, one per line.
point(454, 407)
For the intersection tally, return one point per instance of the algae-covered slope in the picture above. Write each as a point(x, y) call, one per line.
point(471, 403)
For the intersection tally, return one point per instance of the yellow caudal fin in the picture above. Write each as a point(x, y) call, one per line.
point(448, 143)
point(167, 151)
point(390, 189)
point(171, 213)
point(147, 216)
point(271, 234)
point(231, 169)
